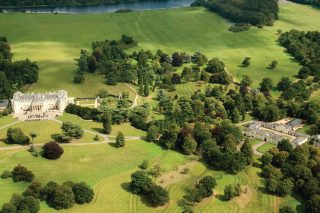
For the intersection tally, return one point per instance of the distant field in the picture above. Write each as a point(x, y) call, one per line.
point(55, 41)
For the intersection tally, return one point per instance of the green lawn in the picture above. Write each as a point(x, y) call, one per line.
point(6, 120)
point(254, 142)
point(266, 147)
point(55, 41)
point(126, 129)
point(108, 170)
point(104, 167)
point(45, 130)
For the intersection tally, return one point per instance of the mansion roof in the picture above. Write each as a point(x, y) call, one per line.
point(39, 97)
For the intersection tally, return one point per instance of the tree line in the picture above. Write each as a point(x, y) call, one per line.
point(34, 3)
point(14, 74)
point(305, 47)
point(57, 196)
point(255, 12)
point(312, 2)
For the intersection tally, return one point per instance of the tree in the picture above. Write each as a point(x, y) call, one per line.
point(176, 79)
point(215, 66)
point(231, 190)
point(21, 173)
point(266, 85)
point(268, 113)
point(78, 78)
point(247, 151)
point(62, 197)
point(287, 209)
point(246, 62)
point(284, 84)
point(157, 195)
point(201, 133)
point(285, 145)
point(82, 192)
point(177, 60)
point(72, 130)
point(273, 65)
point(33, 135)
point(236, 162)
point(155, 171)
point(21, 204)
point(146, 90)
point(52, 151)
point(285, 187)
point(107, 122)
point(169, 138)
point(144, 164)
point(235, 116)
point(187, 74)
point(189, 145)
point(16, 136)
point(314, 204)
point(245, 83)
point(8, 208)
point(152, 133)
point(29, 204)
point(120, 142)
point(34, 190)
point(140, 182)
point(304, 73)
point(92, 63)
point(208, 183)
point(5, 87)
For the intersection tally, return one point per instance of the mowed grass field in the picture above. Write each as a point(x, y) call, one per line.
point(55, 41)
point(46, 131)
point(108, 171)
point(125, 128)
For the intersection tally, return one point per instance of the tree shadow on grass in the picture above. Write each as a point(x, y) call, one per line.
point(4, 140)
point(256, 164)
point(220, 197)
point(100, 130)
point(143, 199)
point(55, 137)
point(301, 208)
point(112, 144)
point(126, 187)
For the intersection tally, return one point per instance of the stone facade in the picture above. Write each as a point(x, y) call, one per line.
point(275, 132)
point(40, 106)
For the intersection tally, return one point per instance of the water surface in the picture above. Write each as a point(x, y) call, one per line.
point(135, 6)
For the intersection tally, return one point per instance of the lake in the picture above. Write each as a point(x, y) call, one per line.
point(135, 6)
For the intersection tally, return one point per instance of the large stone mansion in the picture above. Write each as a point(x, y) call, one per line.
point(40, 106)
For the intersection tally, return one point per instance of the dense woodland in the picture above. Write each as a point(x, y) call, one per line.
point(312, 2)
point(289, 170)
point(14, 74)
point(256, 12)
point(305, 47)
point(31, 3)
point(201, 124)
